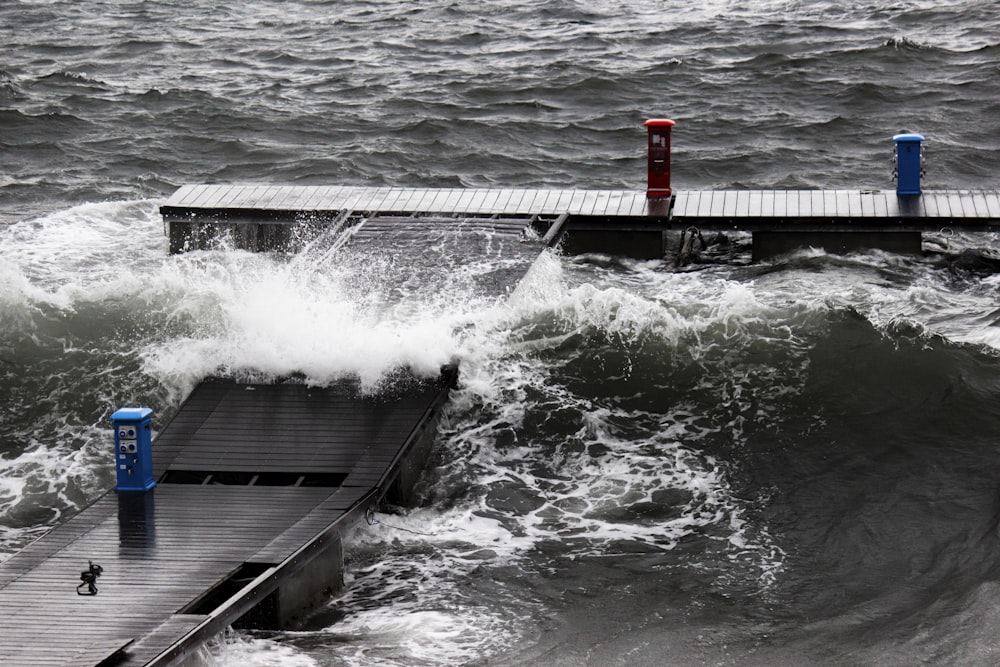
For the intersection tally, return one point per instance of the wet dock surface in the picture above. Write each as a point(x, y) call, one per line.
point(255, 481)
point(689, 206)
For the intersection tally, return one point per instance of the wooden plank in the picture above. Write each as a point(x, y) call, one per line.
point(226, 198)
point(712, 204)
point(955, 203)
point(993, 204)
point(347, 197)
point(436, 204)
point(371, 200)
point(548, 204)
point(524, 202)
point(514, 206)
point(854, 204)
point(817, 203)
point(586, 199)
point(614, 203)
point(931, 207)
point(979, 206)
point(184, 195)
point(503, 199)
point(451, 204)
point(270, 194)
point(286, 193)
point(780, 203)
point(681, 199)
point(319, 193)
point(729, 198)
point(316, 195)
point(636, 203)
point(573, 202)
point(767, 204)
point(965, 200)
point(546, 201)
point(566, 201)
point(393, 200)
point(867, 205)
point(742, 203)
point(589, 202)
point(239, 195)
point(686, 203)
point(489, 201)
point(360, 199)
point(836, 204)
point(425, 203)
point(297, 197)
point(377, 200)
point(208, 195)
point(892, 206)
point(830, 204)
point(704, 205)
point(880, 205)
point(341, 199)
point(912, 207)
point(248, 198)
point(329, 199)
point(311, 195)
point(541, 199)
point(805, 203)
point(475, 204)
point(941, 203)
point(464, 202)
point(791, 204)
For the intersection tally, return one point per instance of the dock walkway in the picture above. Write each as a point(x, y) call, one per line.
point(689, 206)
point(611, 221)
point(256, 484)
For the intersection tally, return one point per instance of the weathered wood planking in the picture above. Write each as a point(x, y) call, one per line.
point(689, 205)
point(834, 204)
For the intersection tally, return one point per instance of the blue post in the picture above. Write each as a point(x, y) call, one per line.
point(908, 163)
point(134, 449)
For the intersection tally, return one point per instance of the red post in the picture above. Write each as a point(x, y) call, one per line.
point(658, 184)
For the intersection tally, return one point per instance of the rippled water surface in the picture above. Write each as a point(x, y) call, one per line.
point(784, 463)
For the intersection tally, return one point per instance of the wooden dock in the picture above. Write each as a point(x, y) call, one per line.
point(615, 221)
point(256, 483)
point(689, 206)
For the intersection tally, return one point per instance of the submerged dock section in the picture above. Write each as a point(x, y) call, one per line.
point(255, 484)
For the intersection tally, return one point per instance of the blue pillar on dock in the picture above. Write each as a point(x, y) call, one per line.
point(909, 163)
point(133, 449)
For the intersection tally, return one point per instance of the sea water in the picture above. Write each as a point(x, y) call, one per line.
point(790, 462)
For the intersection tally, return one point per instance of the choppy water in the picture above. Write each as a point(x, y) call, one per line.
point(787, 463)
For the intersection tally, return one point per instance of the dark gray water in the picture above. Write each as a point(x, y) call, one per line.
point(789, 463)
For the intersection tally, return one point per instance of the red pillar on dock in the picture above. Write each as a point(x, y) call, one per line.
point(658, 184)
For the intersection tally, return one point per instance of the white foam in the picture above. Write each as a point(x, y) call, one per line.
point(235, 649)
point(259, 316)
